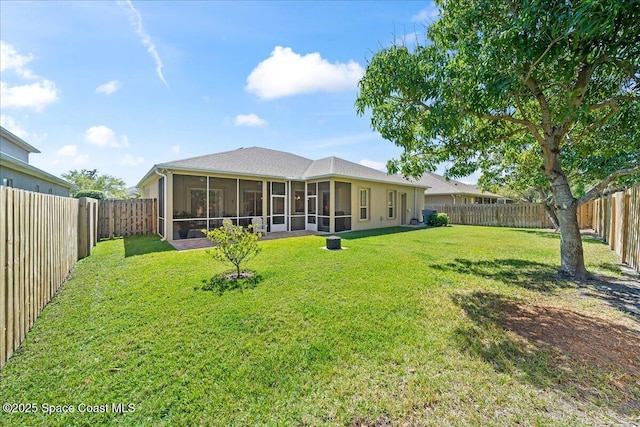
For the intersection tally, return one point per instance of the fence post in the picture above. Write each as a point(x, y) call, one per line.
point(82, 227)
point(612, 223)
point(625, 227)
point(4, 261)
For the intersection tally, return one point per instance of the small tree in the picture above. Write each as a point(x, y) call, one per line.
point(234, 244)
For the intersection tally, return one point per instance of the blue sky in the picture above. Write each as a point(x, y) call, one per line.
point(120, 86)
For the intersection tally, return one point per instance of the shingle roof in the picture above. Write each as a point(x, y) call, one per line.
point(335, 166)
point(440, 185)
point(257, 161)
point(252, 161)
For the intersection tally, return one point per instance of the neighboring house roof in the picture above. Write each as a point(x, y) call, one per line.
point(441, 185)
point(17, 141)
point(264, 162)
point(26, 168)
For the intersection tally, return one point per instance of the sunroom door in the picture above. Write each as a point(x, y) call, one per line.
point(312, 207)
point(278, 207)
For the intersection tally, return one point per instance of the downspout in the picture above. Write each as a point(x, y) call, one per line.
point(454, 198)
point(164, 214)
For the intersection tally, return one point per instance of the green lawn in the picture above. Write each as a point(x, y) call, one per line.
point(422, 327)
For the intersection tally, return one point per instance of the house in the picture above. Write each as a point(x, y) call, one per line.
point(444, 191)
point(15, 170)
point(288, 192)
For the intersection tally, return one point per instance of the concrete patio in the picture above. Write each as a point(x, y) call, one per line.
point(199, 243)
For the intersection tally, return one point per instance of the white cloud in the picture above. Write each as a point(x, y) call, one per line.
point(102, 136)
point(68, 150)
point(249, 120)
point(374, 165)
point(175, 148)
point(426, 15)
point(35, 95)
point(109, 87)
point(11, 59)
point(68, 154)
point(136, 21)
point(129, 160)
point(287, 73)
point(81, 160)
point(10, 124)
point(411, 39)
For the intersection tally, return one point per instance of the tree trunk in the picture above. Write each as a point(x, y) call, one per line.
point(566, 207)
point(571, 254)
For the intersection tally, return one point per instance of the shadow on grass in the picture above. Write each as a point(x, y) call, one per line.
point(622, 294)
point(352, 235)
point(527, 274)
point(222, 283)
point(589, 238)
point(142, 245)
point(585, 357)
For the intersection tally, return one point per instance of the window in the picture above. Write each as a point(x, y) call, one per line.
point(37, 188)
point(391, 204)
point(50, 191)
point(364, 204)
point(7, 182)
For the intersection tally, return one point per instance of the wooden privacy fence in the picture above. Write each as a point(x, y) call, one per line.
point(120, 218)
point(36, 254)
point(616, 219)
point(524, 215)
point(41, 238)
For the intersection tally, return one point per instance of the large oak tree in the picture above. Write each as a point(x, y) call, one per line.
point(92, 180)
point(544, 90)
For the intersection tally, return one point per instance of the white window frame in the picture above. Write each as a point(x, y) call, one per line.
point(391, 204)
point(367, 192)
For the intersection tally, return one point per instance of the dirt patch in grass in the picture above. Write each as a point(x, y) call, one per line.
point(584, 342)
point(591, 340)
point(586, 355)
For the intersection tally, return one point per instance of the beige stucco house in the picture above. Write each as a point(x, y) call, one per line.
point(442, 191)
point(288, 192)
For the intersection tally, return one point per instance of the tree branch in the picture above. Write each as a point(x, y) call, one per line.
point(599, 123)
point(595, 191)
point(497, 117)
point(414, 101)
point(510, 134)
point(614, 101)
point(535, 64)
point(579, 89)
point(544, 110)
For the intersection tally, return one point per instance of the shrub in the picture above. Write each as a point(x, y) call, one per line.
point(438, 220)
point(94, 194)
point(234, 244)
